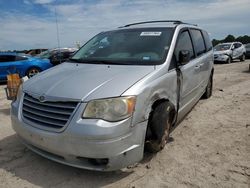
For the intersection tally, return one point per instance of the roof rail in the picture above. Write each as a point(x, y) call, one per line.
point(177, 22)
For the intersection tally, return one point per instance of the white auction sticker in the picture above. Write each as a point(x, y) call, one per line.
point(151, 33)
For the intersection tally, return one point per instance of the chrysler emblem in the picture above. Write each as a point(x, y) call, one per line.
point(41, 98)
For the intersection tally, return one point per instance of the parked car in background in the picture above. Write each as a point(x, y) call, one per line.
point(58, 55)
point(227, 52)
point(35, 52)
point(247, 46)
point(23, 64)
point(124, 89)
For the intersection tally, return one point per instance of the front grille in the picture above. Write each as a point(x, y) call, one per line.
point(53, 115)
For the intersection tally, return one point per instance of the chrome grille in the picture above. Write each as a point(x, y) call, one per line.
point(53, 115)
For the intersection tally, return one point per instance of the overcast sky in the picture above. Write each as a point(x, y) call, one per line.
point(26, 24)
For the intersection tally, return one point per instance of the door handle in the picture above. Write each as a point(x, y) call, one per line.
point(197, 66)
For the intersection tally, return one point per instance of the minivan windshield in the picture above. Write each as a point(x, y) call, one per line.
point(144, 46)
point(222, 47)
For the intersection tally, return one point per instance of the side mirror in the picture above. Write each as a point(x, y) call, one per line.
point(232, 48)
point(184, 57)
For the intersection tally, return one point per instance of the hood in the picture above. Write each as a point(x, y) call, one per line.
point(222, 52)
point(85, 81)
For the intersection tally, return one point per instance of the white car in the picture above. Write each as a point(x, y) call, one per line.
point(227, 52)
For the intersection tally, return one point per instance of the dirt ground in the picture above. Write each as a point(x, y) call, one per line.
point(210, 148)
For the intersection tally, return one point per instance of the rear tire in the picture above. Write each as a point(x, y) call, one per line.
point(243, 57)
point(209, 89)
point(32, 72)
point(159, 127)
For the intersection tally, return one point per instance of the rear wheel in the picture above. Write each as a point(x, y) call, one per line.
point(159, 127)
point(209, 88)
point(32, 72)
point(243, 57)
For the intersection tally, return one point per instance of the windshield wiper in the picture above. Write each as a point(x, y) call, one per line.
point(90, 61)
point(75, 60)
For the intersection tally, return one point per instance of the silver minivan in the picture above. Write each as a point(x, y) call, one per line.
point(120, 94)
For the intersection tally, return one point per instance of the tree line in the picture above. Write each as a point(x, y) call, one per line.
point(230, 38)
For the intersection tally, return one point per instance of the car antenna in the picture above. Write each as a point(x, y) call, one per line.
point(57, 28)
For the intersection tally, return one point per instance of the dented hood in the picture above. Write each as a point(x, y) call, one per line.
point(86, 81)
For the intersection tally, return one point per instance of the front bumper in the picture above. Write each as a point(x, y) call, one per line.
point(84, 141)
point(221, 58)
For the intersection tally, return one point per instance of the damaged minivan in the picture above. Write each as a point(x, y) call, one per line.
point(120, 94)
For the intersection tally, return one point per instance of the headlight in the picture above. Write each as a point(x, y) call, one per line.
point(112, 109)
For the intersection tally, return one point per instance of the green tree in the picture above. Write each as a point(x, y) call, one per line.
point(229, 38)
point(243, 39)
point(215, 42)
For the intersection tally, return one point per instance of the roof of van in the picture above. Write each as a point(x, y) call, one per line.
point(156, 23)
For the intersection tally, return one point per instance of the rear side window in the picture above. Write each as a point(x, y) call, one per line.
point(7, 58)
point(208, 42)
point(238, 45)
point(184, 43)
point(198, 42)
point(20, 58)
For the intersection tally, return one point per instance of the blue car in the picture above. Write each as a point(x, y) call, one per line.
point(23, 64)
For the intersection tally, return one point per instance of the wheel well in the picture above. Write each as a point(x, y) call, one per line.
point(155, 104)
point(212, 72)
point(32, 68)
point(159, 101)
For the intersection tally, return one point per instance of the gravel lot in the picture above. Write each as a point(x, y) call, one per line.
point(210, 148)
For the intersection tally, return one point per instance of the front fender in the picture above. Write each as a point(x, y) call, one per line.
point(150, 90)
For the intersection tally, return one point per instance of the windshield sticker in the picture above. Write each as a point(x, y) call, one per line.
point(166, 48)
point(146, 58)
point(153, 33)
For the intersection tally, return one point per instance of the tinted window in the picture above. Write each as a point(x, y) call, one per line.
point(208, 42)
point(45, 55)
point(221, 47)
point(66, 55)
point(198, 41)
point(235, 45)
point(20, 58)
point(238, 45)
point(7, 58)
point(184, 43)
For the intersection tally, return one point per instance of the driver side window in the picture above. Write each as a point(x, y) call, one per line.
point(235, 46)
point(184, 43)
